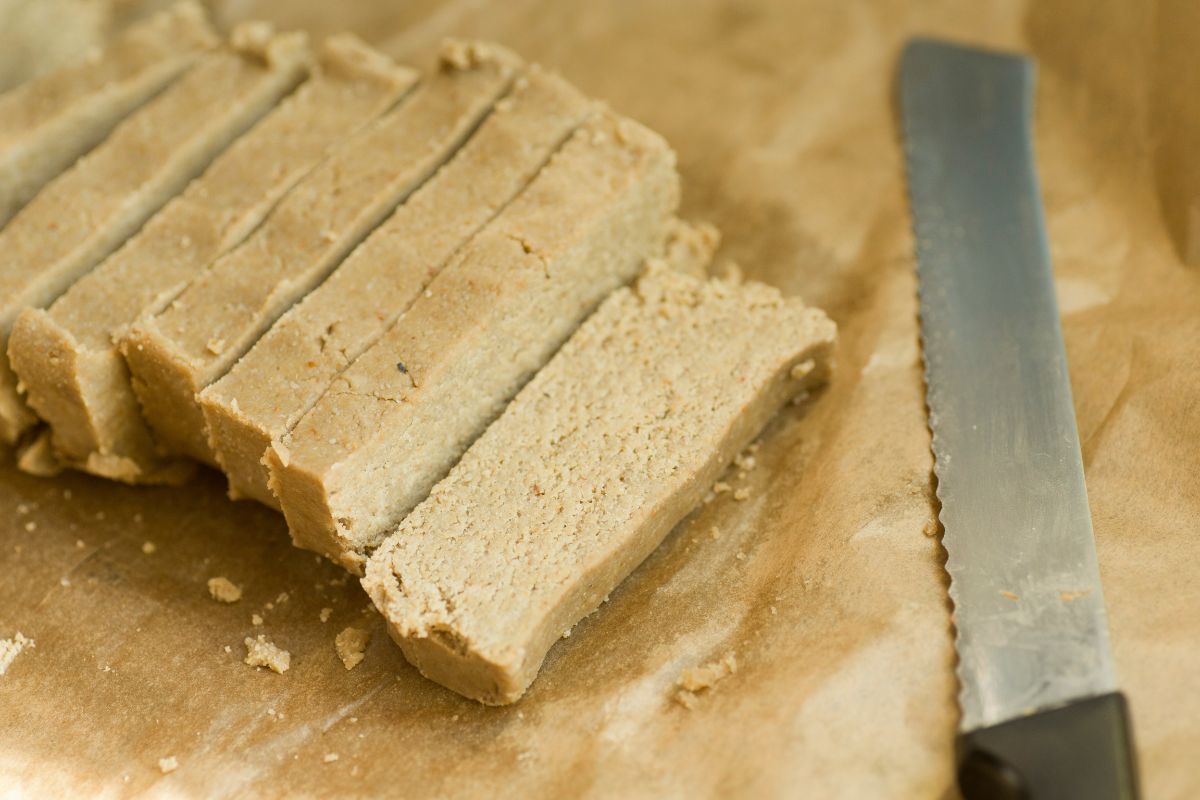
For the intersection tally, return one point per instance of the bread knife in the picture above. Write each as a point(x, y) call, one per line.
point(1042, 716)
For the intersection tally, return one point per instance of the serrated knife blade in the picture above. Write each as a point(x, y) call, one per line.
point(1041, 714)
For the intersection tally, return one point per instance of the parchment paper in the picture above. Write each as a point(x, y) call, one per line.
point(827, 584)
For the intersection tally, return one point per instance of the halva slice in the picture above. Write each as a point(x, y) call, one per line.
point(46, 124)
point(88, 211)
point(585, 473)
point(397, 419)
point(194, 341)
point(292, 365)
point(74, 377)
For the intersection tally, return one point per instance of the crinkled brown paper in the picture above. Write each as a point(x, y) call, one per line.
point(826, 583)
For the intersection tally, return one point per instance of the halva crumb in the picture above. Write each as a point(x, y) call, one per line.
point(351, 645)
point(261, 653)
point(224, 590)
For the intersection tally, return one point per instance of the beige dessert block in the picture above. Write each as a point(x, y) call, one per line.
point(400, 416)
point(292, 365)
point(89, 210)
point(175, 354)
point(46, 124)
point(74, 377)
point(586, 471)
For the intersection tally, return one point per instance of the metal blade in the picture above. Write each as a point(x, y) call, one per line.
point(1029, 613)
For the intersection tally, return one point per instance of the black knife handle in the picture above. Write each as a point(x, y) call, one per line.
point(1082, 750)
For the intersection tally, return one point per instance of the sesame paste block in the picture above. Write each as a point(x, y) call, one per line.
point(395, 421)
point(74, 377)
point(194, 341)
point(48, 123)
point(292, 365)
point(585, 473)
point(92, 208)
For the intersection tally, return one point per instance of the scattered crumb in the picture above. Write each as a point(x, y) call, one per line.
point(741, 556)
point(741, 494)
point(282, 598)
point(774, 611)
point(168, 764)
point(149, 547)
point(255, 619)
point(325, 613)
point(567, 634)
point(330, 758)
point(694, 680)
point(22, 508)
point(803, 368)
point(351, 645)
point(224, 590)
point(354, 719)
point(216, 346)
point(11, 648)
point(720, 487)
point(261, 653)
point(714, 532)
point(269, 606)
point(1009, 596)
point(745, 462)
point(228, 649)
point(31, 526)
point(1068, 597)
point(64, 581)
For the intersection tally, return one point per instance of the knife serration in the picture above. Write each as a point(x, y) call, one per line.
point(1030, 626)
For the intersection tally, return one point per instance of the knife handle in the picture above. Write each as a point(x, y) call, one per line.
point(1081, 750)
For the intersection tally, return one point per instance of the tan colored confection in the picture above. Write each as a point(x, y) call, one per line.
point(42, 36)
point(224, 590)
point(46, 124)
point(398, 418)
point(74, 377)
point(292, 365)
point(593, 463)
point(89, 210)
point(175, 354)
point(351, 646)
point(691, 247)
point(262, 653)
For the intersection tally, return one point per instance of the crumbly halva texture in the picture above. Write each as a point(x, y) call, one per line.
point(178, 352)
point(48, 123)
point(351, 646)
point(74, 377)
point(292, 365)
point(224, 590)
point(88, 211)
point(694, 680)
point(592, 464)
point(397, 419)
point(262, 653)
point(11, 648)
point(168, 765)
